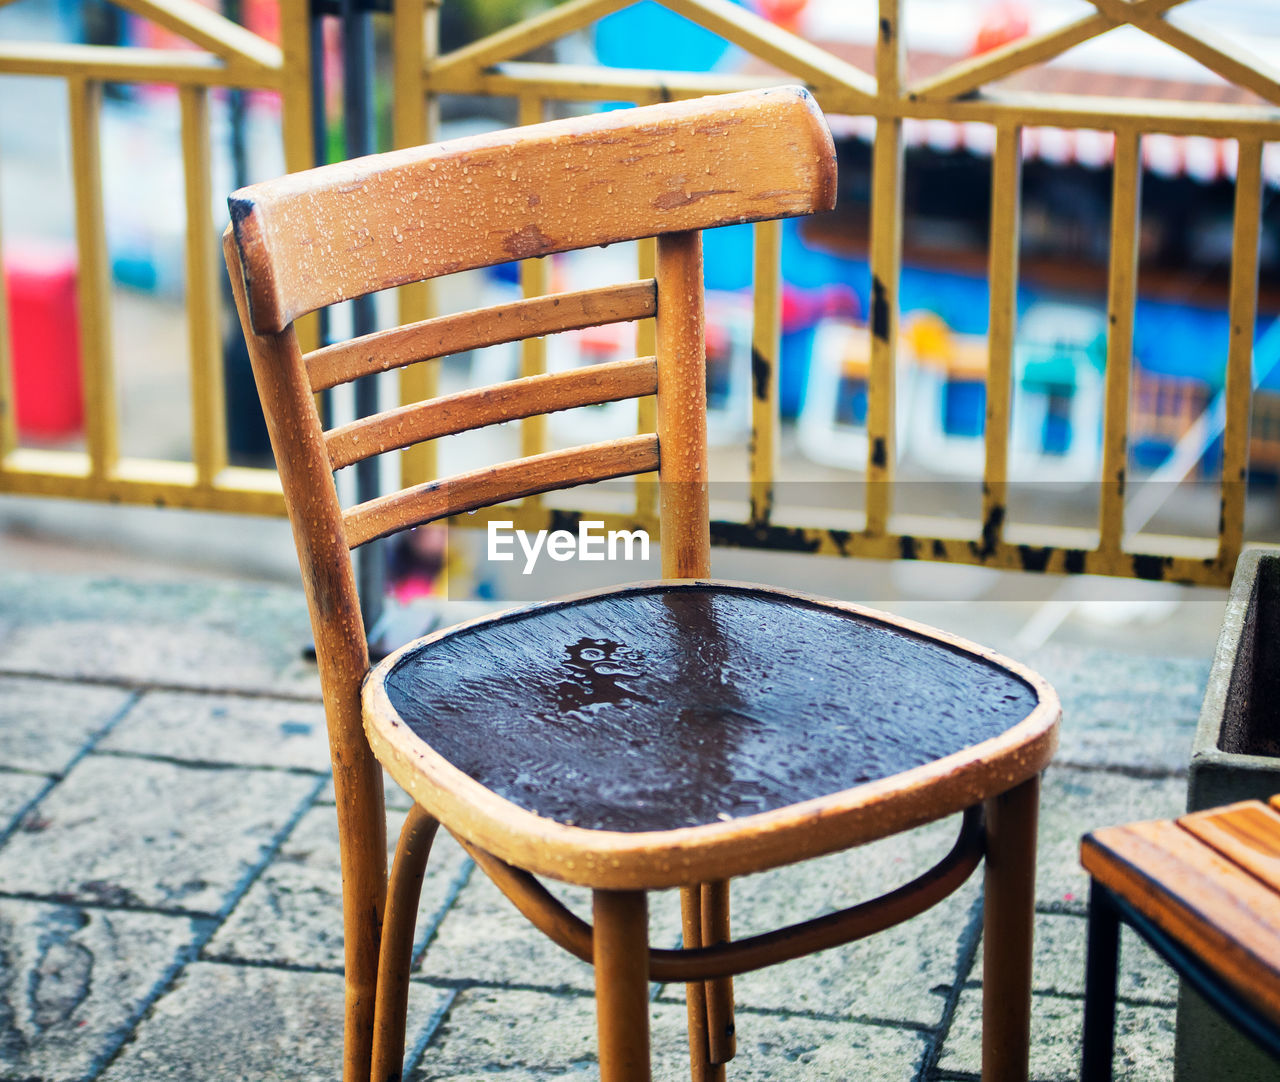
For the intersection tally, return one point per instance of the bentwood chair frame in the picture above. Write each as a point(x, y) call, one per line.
point(669, 171)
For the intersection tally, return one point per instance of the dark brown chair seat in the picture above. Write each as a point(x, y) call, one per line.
point(664, 706)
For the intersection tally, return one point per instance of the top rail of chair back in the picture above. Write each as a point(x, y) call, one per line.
point(325, 235)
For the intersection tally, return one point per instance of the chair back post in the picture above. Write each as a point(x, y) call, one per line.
point(682, 408)
point(341, 654)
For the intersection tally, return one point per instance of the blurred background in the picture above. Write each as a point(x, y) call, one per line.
point(1180, 328)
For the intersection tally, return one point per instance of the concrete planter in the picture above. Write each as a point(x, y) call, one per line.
point(1236, 753)
point(1235, 756)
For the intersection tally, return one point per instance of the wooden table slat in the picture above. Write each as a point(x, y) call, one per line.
point(1222, 913)
point(1247, 834)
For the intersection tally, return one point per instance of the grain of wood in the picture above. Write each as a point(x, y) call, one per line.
point(430, 338)
point(466, 410)
point(328, 235)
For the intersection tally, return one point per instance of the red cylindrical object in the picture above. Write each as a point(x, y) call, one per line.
point(44, 335)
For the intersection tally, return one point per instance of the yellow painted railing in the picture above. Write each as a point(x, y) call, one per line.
point(965, 91)
point(228, 56)
point(961, 93)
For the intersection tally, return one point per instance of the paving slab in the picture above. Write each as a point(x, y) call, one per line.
point(222, 1023)
point(1074, 802)
point(485, 939)
point(73, 981)
point(528, 1036)
point(1060, 955)
point(293, 912)
point(1144, 1040)
point(902, 974)
point(156, 652)
point(136, 832)
point(33, 597)
point(1121, 711)
point(234, 729)
point(16, 792)
point(202, 634)
point(45, 724)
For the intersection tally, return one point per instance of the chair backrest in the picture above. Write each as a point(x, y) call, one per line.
point(312, 239)
point(331, 234)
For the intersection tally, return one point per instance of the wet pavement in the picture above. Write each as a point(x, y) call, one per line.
point(169, 890)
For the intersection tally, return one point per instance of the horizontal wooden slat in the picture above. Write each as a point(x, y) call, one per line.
point(1033, 109)
point(119, 64)
point(481, 406)
point(29, 471)
point(588, 82)
point(509, 481)
point(429, 338)
point(991, 105)
point(1247, 834)
point(1220, 912)
point(314, 238)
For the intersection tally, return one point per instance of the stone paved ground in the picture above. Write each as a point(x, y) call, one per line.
point(169, 886)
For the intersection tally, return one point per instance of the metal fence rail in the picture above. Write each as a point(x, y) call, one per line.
point(229, 57)
point(962, 93)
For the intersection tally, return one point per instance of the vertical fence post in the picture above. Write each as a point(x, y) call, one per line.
point(766, 338)
point(535, 280)
point(301, 146)
point(208, 400)
point(1002, 275)
point(94, 280)
point(1243, 313)
point(1122, 295)
point(414, 41)
point(886, 259)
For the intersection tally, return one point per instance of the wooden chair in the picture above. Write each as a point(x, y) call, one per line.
point(669, 734)
point(1203, 890)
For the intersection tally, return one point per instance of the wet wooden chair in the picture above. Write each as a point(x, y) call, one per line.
point(663, 735)
point(1203, 890)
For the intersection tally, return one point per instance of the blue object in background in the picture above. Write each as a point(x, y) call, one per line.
point(964, 408)
point(648, 35)
point(1171, 338)
point(728, 265)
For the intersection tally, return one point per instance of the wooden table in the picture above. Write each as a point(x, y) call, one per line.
point(1204, 891)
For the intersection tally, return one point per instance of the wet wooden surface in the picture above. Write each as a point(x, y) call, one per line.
point(356, 227)
point(1211, 881)
point(672, 706)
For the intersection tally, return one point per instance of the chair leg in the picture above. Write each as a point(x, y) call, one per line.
point(701, 1069)
point(362, 834)
point(1100, 987)
point(695, 993)
point(620, 949)
point(721, 1043)
point(396, 954)
point(1007, 932)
